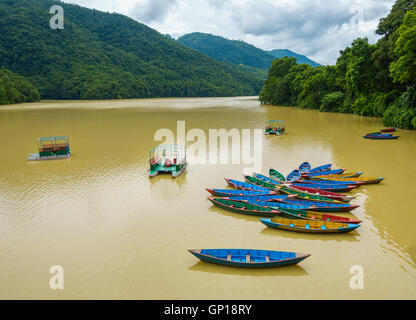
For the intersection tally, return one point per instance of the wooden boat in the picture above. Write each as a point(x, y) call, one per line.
point(326, 187)
point(234, 193)
point(51, 148)
point(324, 181)
point(320, 205)
point(379, 134)
point(344, 175)
point(310, 215)
point(329, 172)
point(268, 198)
point(276, 175)
point(277, 205)
point(324, 193)
point(309, 226)
point(260, 183)
point(267, 179)
point(249, 258)
point(293, 176)
point(245, 186)
point(323, 168)
point(246, 208)
point(381, 137)
point(352, 180)
point(305, 167)
point(305, 195)
point(389, 130)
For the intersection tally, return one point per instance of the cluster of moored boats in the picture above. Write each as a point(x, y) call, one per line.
point(308, 200)
point(384, 134)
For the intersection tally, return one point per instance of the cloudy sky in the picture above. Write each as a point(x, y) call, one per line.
point(318, 29)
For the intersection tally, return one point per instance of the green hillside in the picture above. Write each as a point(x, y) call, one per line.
point(281, 53)
point(104, 56)
point(16, 89)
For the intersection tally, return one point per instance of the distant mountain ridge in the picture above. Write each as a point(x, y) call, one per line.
point(237, 51)
point(281, 53)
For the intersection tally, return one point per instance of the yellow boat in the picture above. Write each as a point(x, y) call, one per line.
point(342, 175)
point(355, 180)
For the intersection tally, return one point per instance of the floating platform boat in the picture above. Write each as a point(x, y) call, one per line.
point(170, 159)
point(310, 215)
point(249, 258)
point(235, 193)
point(275, 127)
point(51, 148)
point(244, 207)
point(324, 193)
point(309, 226)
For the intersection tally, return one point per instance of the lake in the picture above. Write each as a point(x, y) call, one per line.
point(120, 235)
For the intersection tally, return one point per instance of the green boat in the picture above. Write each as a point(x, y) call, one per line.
point(305, 196)
point(274, 174)
point(167, 159)
point(309, 215)
point(260, 183)
point(244, 208)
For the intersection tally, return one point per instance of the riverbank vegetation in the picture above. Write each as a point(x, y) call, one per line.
point(16, 89)
point(372, 80)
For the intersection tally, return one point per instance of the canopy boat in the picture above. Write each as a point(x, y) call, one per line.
point(276, 175)
point(267, 179)
point(329, 172)
point(309, 226)
point(389, 130)
point(320, 205)
point(344, 175)
point(324, 193)
point(305, 167)
point(249, 258)
point(293, 176)
point(51, 148)
point(310, 215)
point(325, 167)
point(260, 183)
point(167, 158)
point(246, 208)
point(275, 127)
point(381, 137)
point(235, 193)
point(305, 195)
point(245, 186)
point(326, 187)
point(352, 180)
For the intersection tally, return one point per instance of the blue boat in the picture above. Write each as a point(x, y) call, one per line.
point(293, 176)
point(326, 187)
point(320, 205)
point(277, 205)
point(319, 180)
point(249, 258)
point(381, 137)
point(267, 179)
point(260, 198)
point(325, 167)
point(325, 173)
point(235, 193)
point(305, 167)
point(245, 186)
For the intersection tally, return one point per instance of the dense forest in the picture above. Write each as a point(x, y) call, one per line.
point(237, 51)
point(102, 55)
point(371, 80)
point(16, 89)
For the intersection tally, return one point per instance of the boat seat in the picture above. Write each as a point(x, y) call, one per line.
point(248, 258)
point(229, 257)
point(323, 227)
point(267, 259)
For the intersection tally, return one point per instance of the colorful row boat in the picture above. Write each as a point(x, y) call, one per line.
point(351, 180)
point(327, 187)
point(305, 195)
point(327, 194)
point(343, 175)
point(309, 215)
point(249, 258)
point(288, 204)
point(329, 172)
point(381, 137)
point(268, 198)
point(325, 167)
point(244, 207)
point(389, 130)
point(320, 205)
point(324, 181)
point(245, 186)
point(263, 178)
point(259, 182)
point(309, 226)
point(276, 175)
point(305, 167)
point(234, 193)
point(293, 176)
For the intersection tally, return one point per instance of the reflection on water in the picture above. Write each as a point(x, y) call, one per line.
point(119, 234)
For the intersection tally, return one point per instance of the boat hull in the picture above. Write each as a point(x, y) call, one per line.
point(275, 225)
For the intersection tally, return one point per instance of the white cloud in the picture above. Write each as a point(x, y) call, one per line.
point(316, 28)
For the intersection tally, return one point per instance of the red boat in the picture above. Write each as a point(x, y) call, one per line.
point(389, 130)
point(327, 194)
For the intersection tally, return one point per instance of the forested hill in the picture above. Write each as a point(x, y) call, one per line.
point(104, 56)
point(368, 79)
point(16, 89)
point(281, 53)
point(238, 52)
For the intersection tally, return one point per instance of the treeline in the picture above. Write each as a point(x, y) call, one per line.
point(16, 89)
point(102, 55)
point(371, 80)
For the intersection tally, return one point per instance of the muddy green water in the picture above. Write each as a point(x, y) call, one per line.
point(119, 234)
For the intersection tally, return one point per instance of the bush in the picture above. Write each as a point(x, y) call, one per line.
point(333, 102)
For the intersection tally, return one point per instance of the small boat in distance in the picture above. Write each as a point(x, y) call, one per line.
point(249, 258)
point(167, 158)
point(381, 137)
point(389, 130)
point(294, 176)
point(275, 127)
point(51, 148)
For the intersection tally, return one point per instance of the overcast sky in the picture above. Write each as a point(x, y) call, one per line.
point(318, 29)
